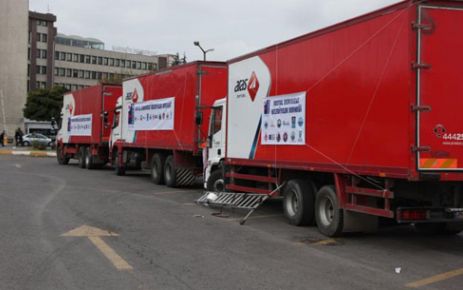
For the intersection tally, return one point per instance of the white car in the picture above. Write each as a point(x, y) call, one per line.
point(28, 139)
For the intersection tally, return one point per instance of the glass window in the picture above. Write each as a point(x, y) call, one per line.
point(116, 62)
point(75, 73)
point(44, 38)
point(62, 56)
point(39, 37)
point(57, 55)
point(111, 62)
point(105, 61)
point(143, 65)
point(68, 56)
point(81, 58)
point(44, 54)
point(56, 71)
point(100, 60)
point(128, 64)
point(75, 57)
point(138, 65)
point(81, 74)
point(87, 74)
point(93, 59)
point(69, 73)
point(87, 59)
point(122, 63)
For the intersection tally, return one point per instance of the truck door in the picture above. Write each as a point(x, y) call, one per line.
point(440, 89)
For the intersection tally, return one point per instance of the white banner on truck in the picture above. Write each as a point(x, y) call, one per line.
point(283, 120)
point(80, 125)
point(152, 115)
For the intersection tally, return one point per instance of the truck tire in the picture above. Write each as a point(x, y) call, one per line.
point(157, 169)
point(329, 217)
point(89, 159)
point(82, 151)
point(298, 203)
point(119, 170)
point(61, 157)
point(216, 181)
point(170, 176)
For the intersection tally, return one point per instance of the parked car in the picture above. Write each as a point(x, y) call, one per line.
point(28, 139)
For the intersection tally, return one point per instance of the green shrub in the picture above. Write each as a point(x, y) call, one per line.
point(38, 145)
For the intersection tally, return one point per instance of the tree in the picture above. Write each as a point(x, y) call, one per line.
point(44, 104)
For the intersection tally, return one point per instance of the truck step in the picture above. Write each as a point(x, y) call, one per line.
point(246, 201)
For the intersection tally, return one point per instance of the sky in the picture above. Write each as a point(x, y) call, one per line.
point(231, 28)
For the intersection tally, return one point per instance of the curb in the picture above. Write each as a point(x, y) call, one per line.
point(28, 153)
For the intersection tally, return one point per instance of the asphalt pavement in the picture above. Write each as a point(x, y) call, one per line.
point(63, 227)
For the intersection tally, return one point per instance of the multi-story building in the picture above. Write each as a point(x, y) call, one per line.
point(76, 62)
point(42, 33)
point(81, 62)
point(13, 63)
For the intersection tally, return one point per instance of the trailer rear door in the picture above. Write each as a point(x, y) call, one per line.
point(440, 89)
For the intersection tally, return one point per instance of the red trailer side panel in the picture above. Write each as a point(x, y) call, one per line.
point(358, 84)
point(183, 84)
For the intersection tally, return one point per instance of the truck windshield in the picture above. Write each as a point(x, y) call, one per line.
point(216, 122)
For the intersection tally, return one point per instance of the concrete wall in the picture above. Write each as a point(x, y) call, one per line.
point(13, 62)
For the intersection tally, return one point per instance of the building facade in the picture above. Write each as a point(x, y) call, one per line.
point(42, 32)
point(13, 63)
point(80, 62)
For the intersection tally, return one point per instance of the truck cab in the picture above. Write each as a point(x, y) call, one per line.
point(215, 150)
point(116, 127)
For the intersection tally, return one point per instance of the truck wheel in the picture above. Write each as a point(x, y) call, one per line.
point(89, 160)
point(62, 159)
point(170, 176)
point(329, 217)
point(120, 170)
point(157, 169)
point(82, 154)
point(298, 204)
point(216, 181)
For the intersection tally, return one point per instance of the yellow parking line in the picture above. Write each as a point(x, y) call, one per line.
point(435, 279)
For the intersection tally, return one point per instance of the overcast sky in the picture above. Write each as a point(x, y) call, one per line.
point(232, 28)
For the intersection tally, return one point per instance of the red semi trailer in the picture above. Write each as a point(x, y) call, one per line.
point(162, 121)
point(358, 121)
point(85, 128)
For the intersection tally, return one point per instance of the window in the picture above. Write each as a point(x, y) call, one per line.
point(100, 60)
point(87, 74)
point(75, 73)
point(39, 37)
point(44, 54)
point(29, 53)
point(69, 73)
point(62, 72)
point(68, 56)
point(93, 75)
point(98, 75)
point(87, 59)
point(28, 70)
point(56, 55)
point(128, 64)
point(81, 58)
point(56, 71)
point(105, 61)
point(93, 59)
point(81, 74)
point(116, 62)
point(30, 37)
point(138, 65)
point(111, 62)
point(75, 57)
point(44, 38)
point(143, 66)
point(216, 122)
point(62, 56)
point(44, 70)
point(122, 63)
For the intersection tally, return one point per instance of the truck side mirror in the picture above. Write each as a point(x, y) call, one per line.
point(199, 118)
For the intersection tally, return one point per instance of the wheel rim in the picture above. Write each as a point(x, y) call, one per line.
point(292, 203)
point(219, 185)
point(326, 210)
point(87, 160)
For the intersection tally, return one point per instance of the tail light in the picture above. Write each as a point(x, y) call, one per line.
point(405, 215)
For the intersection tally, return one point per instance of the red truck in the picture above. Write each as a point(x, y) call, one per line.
point(162, 121)
point(85, 128)
point(357, 121)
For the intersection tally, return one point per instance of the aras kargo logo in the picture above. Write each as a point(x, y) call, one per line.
point(251, 85)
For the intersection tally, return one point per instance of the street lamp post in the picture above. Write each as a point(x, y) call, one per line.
point(196, 43)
